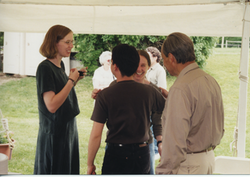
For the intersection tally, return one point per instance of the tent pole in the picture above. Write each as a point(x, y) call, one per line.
point(222, 42)
point(243, 76)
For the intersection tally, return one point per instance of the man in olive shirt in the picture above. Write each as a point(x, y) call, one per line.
point(193, 117)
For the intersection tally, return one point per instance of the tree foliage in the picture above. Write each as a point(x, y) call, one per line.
point(203, 48)
point(90, 46)
point(1, 38)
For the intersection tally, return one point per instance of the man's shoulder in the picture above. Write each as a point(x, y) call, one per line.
point(154, 86)
point(192, 79)
point(126, 85)
point(152, 89)
point(116, 86)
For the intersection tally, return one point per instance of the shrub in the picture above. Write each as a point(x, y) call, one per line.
point(90, 46)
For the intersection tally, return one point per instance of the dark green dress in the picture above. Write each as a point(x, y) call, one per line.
point(57, 149)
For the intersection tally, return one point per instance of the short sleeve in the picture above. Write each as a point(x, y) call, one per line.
point(45, 79)
point(100, 112)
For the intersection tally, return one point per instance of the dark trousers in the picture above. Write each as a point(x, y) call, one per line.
point(128, 159)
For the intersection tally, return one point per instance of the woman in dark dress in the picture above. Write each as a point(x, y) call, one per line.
point(57, 149)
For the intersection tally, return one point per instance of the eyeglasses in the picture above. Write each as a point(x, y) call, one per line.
point(69, 42)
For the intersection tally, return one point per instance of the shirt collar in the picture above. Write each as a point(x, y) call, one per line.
point(188, 68)
point(155, 66)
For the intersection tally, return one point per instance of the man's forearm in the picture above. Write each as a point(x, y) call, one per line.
point(94, 144)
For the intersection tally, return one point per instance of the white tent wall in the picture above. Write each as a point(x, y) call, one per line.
point(140, 17)
point(12, 53)
point(21, 53)
point(32, 43)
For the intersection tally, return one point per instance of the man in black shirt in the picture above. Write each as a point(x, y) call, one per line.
point(125, 108)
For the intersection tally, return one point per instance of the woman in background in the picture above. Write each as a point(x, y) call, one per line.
point(103, 75)
point(57, 149)
point(156, 75)
point(156, 127)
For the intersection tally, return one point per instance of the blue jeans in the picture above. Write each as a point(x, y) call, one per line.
point(152, 158)
point(129, 159)
point(154, 141)
point(155, 146)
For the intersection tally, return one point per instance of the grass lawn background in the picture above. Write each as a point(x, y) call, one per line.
point(18, 102)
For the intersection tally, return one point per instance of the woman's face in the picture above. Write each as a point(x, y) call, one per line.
point(65, 45)
point(141, 70)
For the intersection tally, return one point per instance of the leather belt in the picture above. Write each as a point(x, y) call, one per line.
point(205, 150)
point(143, 144)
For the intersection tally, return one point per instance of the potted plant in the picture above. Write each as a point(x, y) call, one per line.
point(6, 145)
point(6, 140)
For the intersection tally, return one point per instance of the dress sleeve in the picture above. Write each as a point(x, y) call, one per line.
point(45, 79)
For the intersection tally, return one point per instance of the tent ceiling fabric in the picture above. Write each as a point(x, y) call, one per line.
point(116, 2)
point(159, 17)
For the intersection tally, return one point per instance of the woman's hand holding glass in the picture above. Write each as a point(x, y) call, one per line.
point(74, 74)
point(82, 72)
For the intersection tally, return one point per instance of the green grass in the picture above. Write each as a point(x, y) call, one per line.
point(18, 102)
point(224, 66)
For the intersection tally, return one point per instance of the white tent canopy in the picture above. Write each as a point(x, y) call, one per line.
point(135, 17)
point(139, 17)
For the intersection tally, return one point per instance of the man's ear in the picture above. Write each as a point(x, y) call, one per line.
point(115, 67)
point(172, 58)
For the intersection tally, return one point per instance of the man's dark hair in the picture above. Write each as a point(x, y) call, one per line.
point(179, 45)
point(126, 58)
